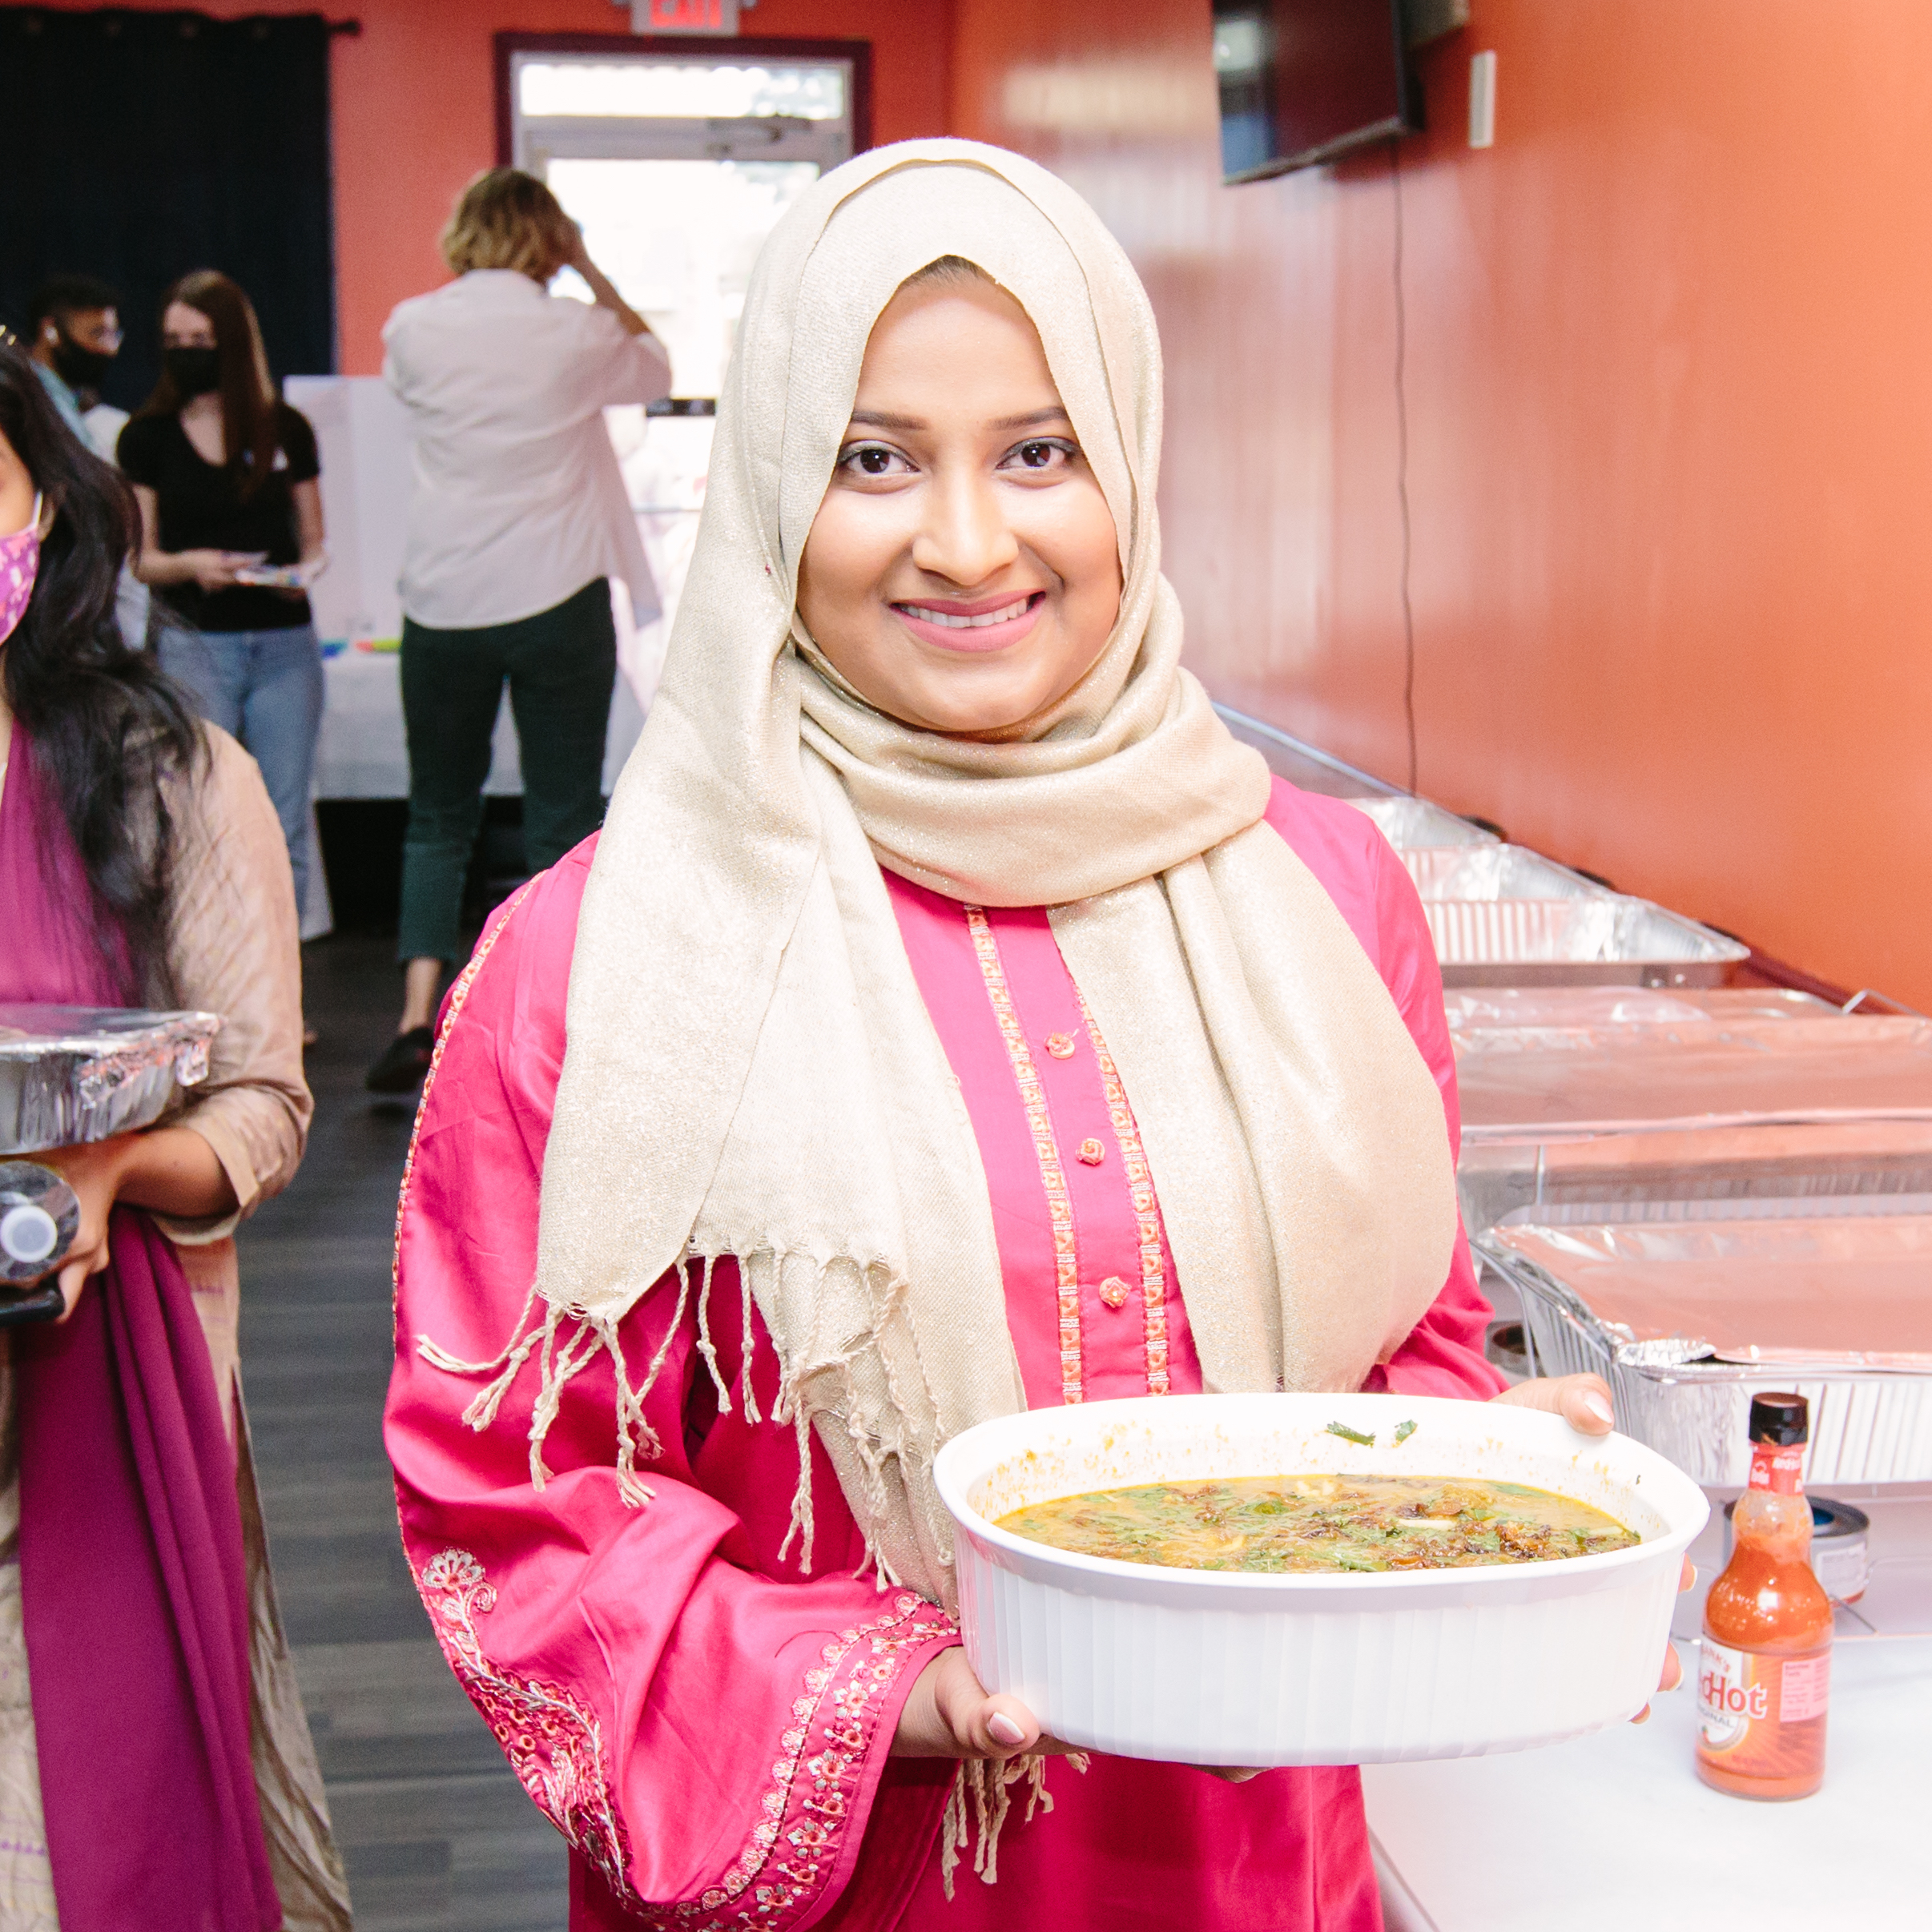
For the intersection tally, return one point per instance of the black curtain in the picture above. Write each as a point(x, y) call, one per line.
point(140, 146)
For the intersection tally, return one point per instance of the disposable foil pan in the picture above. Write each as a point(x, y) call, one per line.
point(1494, 871)
point(1475, 1013)
point(1686, 1320)
point(1603, 939)
point(1406, 822)
point(72, 1073)
point(1548, 1082)
point(1769, 1170)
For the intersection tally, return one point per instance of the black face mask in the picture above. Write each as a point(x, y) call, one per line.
point(77, 366)
point(193, 371)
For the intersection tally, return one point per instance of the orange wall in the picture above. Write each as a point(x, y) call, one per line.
point(414, 112)
point(1669, 398)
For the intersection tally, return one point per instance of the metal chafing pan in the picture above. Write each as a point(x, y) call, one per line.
point(72, 1073)
point(1688, 1318)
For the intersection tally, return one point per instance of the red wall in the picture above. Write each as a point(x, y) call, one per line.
point(1670, 417)
point(414, 109)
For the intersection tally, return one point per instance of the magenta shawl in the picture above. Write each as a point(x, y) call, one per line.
point(132, 1577)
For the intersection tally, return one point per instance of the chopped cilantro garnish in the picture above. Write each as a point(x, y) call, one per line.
point(1404, 1431)
point(1350, 1435)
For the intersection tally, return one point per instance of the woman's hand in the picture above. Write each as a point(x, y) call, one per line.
point(95, 1171)
point(171, 1170)
point(1583, 1403)
point(211, 570)
point(947, 1713)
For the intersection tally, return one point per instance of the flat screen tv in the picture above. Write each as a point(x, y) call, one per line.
point(1304, 81)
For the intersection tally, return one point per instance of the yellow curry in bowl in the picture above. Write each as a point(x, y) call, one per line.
point(1317, 1522)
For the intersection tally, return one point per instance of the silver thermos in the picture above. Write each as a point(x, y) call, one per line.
point(38, 1219)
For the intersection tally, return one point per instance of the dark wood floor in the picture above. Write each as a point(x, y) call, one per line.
point(437, 1832)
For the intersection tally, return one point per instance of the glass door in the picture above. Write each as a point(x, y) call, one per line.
point(676, 167)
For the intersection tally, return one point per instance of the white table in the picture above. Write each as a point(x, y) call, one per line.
point(1615, 1833)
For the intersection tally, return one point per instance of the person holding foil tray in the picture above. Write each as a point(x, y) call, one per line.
point(141, 864)
point(960, 1020)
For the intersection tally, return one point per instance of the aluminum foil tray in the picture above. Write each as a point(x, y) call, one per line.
point(1406, 822)
point(1476, 1012)
point(1603, 939)
point(1494, 871)
point(72, 1073)
point(1551, 1082)
point(1686, 1321)
point(1765, 1169)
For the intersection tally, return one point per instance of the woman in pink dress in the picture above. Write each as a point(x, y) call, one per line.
point(952, 1018)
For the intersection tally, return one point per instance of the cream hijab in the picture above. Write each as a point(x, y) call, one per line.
point(751, 1071)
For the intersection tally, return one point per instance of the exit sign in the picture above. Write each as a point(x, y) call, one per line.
point(683, 16)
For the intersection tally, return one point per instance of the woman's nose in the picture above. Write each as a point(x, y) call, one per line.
point(964, 536)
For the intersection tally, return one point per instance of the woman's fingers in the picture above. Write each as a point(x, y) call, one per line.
point(1687, 1577)
point(1582, 1401)
point(1000, 1727)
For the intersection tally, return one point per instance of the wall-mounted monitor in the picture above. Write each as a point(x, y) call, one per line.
point(1305, 81)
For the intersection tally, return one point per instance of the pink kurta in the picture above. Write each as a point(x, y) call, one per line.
point(711, 1726)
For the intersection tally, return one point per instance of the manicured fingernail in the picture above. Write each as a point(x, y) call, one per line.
point(1004, 1729)
point(1597, 1407)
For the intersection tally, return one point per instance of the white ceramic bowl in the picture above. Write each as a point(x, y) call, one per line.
point(1217, 1667)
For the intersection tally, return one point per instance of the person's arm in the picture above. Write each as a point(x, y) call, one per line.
point(604, 291)
point(704, 1732)
point(310, 538)
point(170, 1170)
point(211, 570)
point(234, 948)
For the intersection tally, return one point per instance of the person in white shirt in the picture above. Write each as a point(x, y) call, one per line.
point(518, 521)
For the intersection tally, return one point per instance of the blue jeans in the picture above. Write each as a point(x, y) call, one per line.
point(264, 687)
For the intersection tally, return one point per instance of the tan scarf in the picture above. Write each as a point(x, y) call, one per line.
point(751, 1069)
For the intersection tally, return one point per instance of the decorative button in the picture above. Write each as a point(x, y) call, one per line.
point(1060, 1045)
point(1113, 1292)
point(1091, 1153)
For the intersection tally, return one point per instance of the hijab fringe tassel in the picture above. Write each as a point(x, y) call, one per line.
point(562, 1356)
point(986, 1785)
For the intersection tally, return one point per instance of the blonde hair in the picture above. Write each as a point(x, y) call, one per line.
point(506, 218)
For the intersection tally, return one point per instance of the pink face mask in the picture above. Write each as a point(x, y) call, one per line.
point(19, 565)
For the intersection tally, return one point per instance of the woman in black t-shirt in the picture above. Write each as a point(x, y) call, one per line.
point(225, 475)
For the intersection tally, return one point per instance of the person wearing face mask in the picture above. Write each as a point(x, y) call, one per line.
point(225, 475)
point(156, 1768)
point(74, 324)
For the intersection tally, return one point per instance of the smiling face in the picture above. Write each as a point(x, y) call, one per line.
point(962, 574)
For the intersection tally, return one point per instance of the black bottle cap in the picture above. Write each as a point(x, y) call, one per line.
point(1780, 1419)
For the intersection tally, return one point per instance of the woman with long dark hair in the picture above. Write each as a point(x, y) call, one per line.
point(225, 474)
point(140, 864)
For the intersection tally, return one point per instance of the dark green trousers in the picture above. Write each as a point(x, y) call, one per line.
point(562, 667)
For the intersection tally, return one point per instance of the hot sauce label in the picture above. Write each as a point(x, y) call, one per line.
point(1777, 1467)
point(1745, 1699)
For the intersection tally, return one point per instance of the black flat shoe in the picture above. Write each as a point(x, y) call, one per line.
point(403, 1063)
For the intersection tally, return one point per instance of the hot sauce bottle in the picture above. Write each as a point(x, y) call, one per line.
point(1765, 1672)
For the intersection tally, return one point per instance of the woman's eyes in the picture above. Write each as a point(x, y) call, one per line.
point(870, 460)
point(1041, 455)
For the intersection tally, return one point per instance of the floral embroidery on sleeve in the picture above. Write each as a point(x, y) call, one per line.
point(555, 1745)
